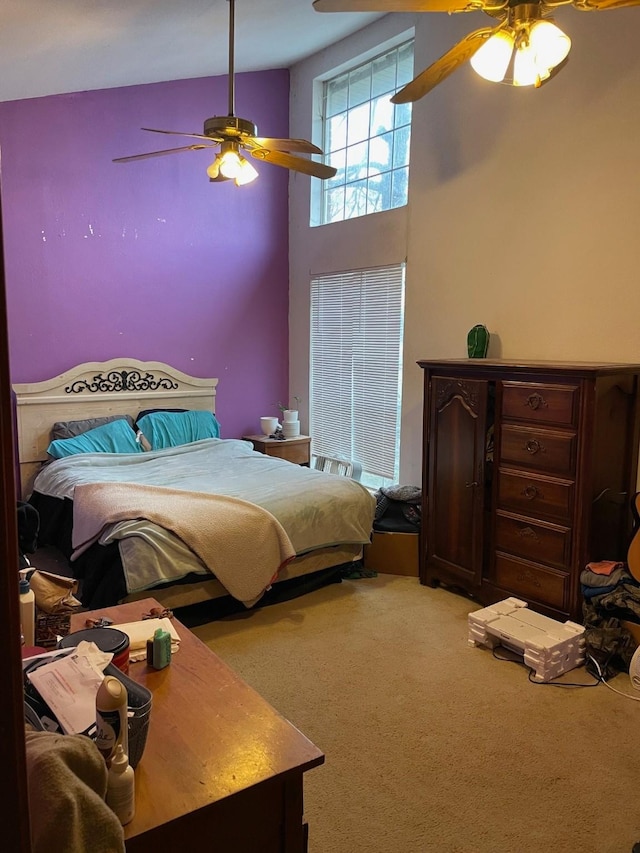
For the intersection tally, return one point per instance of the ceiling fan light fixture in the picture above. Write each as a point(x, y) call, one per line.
point(492, 59)
point(550, 44)
point(229, 161)
point(540, 46)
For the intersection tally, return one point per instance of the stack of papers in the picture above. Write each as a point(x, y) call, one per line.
point(69, 685)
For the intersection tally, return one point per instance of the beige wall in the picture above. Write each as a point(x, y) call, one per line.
point(524, 207)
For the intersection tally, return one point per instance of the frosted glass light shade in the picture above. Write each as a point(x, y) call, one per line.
point(492, 59)
point(246, 174)
point(549, 44)
point(230, 164)
point(525, 68)
point(214, 169)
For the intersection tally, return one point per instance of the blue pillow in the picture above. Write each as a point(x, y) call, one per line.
point(170, 429)
point(114, 437)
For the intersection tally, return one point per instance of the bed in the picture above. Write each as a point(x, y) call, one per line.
point(195, 517)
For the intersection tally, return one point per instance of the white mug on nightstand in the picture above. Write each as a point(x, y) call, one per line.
point(291, 429)
point(268, 425)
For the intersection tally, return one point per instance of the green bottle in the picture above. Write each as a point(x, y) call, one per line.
point(159, 649)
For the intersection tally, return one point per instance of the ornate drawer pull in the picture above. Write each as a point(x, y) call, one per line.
point(528, 533)
point(471, 485)
point(527, 576)
point(533, 446)
point(535, 402)
point(531, 492)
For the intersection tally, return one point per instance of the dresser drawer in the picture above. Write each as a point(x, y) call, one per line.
point(531, 581)
point(541, 450)
point(538, 541)
point(545, 404)
point(524, 493)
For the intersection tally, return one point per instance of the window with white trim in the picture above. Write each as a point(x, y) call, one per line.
point(366, 137)
point(357, 324)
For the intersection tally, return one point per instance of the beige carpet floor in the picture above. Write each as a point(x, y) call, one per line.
point(433, 746)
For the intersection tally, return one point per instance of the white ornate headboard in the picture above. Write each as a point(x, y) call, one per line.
point(121, 386)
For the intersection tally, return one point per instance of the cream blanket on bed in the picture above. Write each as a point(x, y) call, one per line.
point(243, 544)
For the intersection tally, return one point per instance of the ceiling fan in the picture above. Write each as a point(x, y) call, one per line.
point(235, 135)
point(525, 48)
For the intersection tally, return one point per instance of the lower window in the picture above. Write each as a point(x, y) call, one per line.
point(357, 323)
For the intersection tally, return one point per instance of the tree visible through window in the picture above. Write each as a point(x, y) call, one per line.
point(357, 321)
point(366, 137)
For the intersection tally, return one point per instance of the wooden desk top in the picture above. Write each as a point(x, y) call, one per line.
point(210, 734)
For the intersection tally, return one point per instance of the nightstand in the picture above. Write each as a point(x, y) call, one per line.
point(296, 450)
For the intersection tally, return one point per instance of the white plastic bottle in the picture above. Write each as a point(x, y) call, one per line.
point(27, 612)
point(111, 717)
point(121, 787)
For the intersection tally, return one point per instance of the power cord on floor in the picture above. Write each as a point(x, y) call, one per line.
point(531, 672)
point(602, 679)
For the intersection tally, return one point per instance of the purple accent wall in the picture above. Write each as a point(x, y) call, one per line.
point(147, 259)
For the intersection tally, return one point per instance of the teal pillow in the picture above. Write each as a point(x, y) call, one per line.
point(114, 437)
point(170, 429)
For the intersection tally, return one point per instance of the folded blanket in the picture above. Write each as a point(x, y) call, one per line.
point(244, 545)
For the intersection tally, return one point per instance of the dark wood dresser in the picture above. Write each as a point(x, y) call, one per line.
point(529, 469)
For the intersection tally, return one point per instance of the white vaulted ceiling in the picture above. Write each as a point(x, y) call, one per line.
point(52, 46)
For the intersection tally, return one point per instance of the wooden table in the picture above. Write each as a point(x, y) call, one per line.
point(221, 770)
point(296, 449)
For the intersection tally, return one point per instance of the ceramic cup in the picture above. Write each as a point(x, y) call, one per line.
point(291, 429)
point(268, 425)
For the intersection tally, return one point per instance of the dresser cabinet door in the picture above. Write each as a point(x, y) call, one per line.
point(456, 480)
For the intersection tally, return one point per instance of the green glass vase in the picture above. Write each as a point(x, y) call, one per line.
point(478, 342)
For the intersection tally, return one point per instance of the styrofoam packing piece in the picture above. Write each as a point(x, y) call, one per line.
point(549, 647)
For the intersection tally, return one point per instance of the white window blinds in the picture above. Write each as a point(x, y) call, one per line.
point(356, 366)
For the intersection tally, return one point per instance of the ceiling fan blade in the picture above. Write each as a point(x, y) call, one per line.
point(603, 5)
point(179, 133)
point(297, 164)
point(444, 66)
point(300, 145)
point(160, 153)
point(402, 5)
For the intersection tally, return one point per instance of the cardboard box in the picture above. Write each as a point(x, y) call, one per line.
point(634, 629)
point(393, 554)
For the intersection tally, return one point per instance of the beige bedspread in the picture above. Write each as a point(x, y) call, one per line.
point(250, 545)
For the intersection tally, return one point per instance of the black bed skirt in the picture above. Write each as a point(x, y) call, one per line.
point(226, 605)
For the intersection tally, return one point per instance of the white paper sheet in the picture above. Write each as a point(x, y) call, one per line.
point(69, 685)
